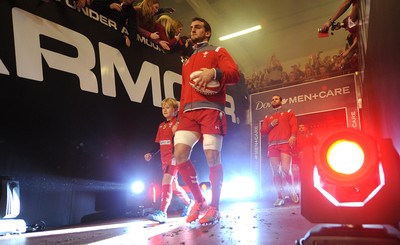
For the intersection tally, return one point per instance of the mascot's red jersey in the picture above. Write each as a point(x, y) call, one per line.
point(165, 138)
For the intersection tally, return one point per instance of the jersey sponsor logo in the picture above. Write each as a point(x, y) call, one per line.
point(165, 142)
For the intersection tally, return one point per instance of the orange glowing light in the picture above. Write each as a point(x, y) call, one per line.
point(345, 157)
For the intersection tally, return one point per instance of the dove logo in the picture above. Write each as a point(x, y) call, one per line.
point(262, 105)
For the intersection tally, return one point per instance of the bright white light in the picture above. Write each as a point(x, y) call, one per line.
point(240, 33)
point(130, 236)
point(239, 187)
point(137, 187)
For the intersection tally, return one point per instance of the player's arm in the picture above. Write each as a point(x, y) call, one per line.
point(227, 71)
point(154, 151)
point(266, 126)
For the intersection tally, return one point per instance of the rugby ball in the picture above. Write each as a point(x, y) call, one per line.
point(213, 87)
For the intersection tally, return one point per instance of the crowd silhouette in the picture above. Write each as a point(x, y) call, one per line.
point(315, 68)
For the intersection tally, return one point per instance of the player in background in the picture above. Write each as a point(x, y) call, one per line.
point(281, 128)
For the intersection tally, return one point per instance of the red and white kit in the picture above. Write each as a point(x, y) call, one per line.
point(286, 127)
point(165, 137)
point(208, 56)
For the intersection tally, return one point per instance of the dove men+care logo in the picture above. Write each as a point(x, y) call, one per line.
point(336, 93)
point(322, 94)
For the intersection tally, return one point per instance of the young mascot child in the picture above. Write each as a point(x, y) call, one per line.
point(165, 146)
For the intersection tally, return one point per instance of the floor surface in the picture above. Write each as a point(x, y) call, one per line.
point(241, 223)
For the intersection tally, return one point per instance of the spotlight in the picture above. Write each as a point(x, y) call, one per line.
point(141, 197)
point(137, 187)
point(347, 170)
point(205, 186)
point(351, 180)
point(239, 188)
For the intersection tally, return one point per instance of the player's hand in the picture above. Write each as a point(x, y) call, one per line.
point(147, 157)
point(204, 77)
point(274, 122)
point(292, 141)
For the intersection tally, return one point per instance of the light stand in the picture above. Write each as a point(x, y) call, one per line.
point(356, 208)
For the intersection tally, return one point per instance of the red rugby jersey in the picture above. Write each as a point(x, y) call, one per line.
point(165, 137)
point(208, 56)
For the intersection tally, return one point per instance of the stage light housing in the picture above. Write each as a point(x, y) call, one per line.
point(347, 170)
point(351, 178)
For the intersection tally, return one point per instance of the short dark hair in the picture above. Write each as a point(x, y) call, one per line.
point(207, 26)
